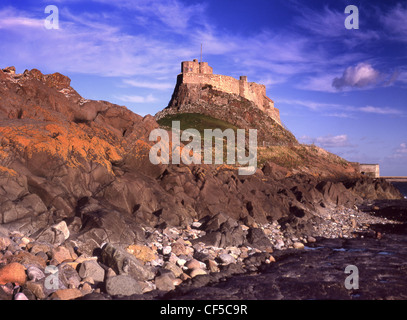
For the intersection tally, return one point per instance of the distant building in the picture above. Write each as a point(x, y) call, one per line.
point(370, 170)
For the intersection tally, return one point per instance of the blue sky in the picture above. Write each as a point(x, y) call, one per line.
point(344, 90)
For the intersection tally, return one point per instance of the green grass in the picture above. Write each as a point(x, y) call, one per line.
point(196, 121)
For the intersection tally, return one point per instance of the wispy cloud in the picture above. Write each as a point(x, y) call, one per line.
point(137, 99)
point(337, 109)
point(381, 110)
point(149, 85)
point(329, 141)
point(394, 22)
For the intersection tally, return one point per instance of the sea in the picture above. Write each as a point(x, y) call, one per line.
point(402, 186)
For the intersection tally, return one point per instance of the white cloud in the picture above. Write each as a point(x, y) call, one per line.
point(381, 110)
point(333, 141)
point(136, 99)
point(395, 22)
point(329, 141)
point(149, 85)
point(362, 75)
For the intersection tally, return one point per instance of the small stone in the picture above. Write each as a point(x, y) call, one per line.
point(298, 245)
point(173, 258)
point(157, 262)
point(68, 276)
point(35, 273)
point(110, 273)
point(86, 288)
point(311, 239)
point(227, 259)
point(184, 277)
point(181, 262)
point(4, 242)
point(193, 264)
point(25, 241)
point(178, 248)
point(36, 288)
point(40, 247)
point(213, 266)
point(196, 224)
point(166, 250)
point(93, 270)
point(164, 282)
point(123, 285)
point(67, 294)
point(177, 271)
point(61, 254)
point(63, 228)
point(142, 253)
point(27, 259)
point(20, 296)
point(13, 272)
point(197, 272)
point(177, 281)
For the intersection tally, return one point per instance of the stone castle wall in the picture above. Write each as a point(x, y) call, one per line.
point(194, 72)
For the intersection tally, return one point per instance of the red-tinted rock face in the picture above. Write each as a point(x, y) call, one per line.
point(63, 157)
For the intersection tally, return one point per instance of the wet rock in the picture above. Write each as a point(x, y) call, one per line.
point(61, 254)
point(197, 272)
point(124, 263)
point(165, 282)
point(66, 294)
point(298, 245)
point(37, 288)
point(258, 239)
point(178, 248)
point(35, 273)
point(193, 264)
point(27, 259)
point(123, 285)
point(210, 239)
point(227, 259)
point(20, 296)
point(91, 269)
point(68, 276)
point(173, 268)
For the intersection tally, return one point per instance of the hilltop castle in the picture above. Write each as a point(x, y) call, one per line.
point(194, 72)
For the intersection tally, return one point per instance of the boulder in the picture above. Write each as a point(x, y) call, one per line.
point(124, 263)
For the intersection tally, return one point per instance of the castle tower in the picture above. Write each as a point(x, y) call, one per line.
point(195, 66)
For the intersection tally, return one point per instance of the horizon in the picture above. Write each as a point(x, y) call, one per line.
point(341, 89)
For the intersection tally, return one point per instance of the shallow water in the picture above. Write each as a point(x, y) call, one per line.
point(402, 186)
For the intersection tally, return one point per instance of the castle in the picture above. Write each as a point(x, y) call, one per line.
point(194, 72)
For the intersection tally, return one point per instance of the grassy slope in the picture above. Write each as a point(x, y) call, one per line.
point(294, 157)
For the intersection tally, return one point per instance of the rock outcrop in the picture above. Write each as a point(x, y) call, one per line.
point(65, 158)
point(229, 107)
point(77, 186)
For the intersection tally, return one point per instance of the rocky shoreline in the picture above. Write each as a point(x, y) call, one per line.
point(85, 214)
point(170, 263)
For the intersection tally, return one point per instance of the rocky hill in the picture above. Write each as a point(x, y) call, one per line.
point(229, 107)
point(76, 172)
